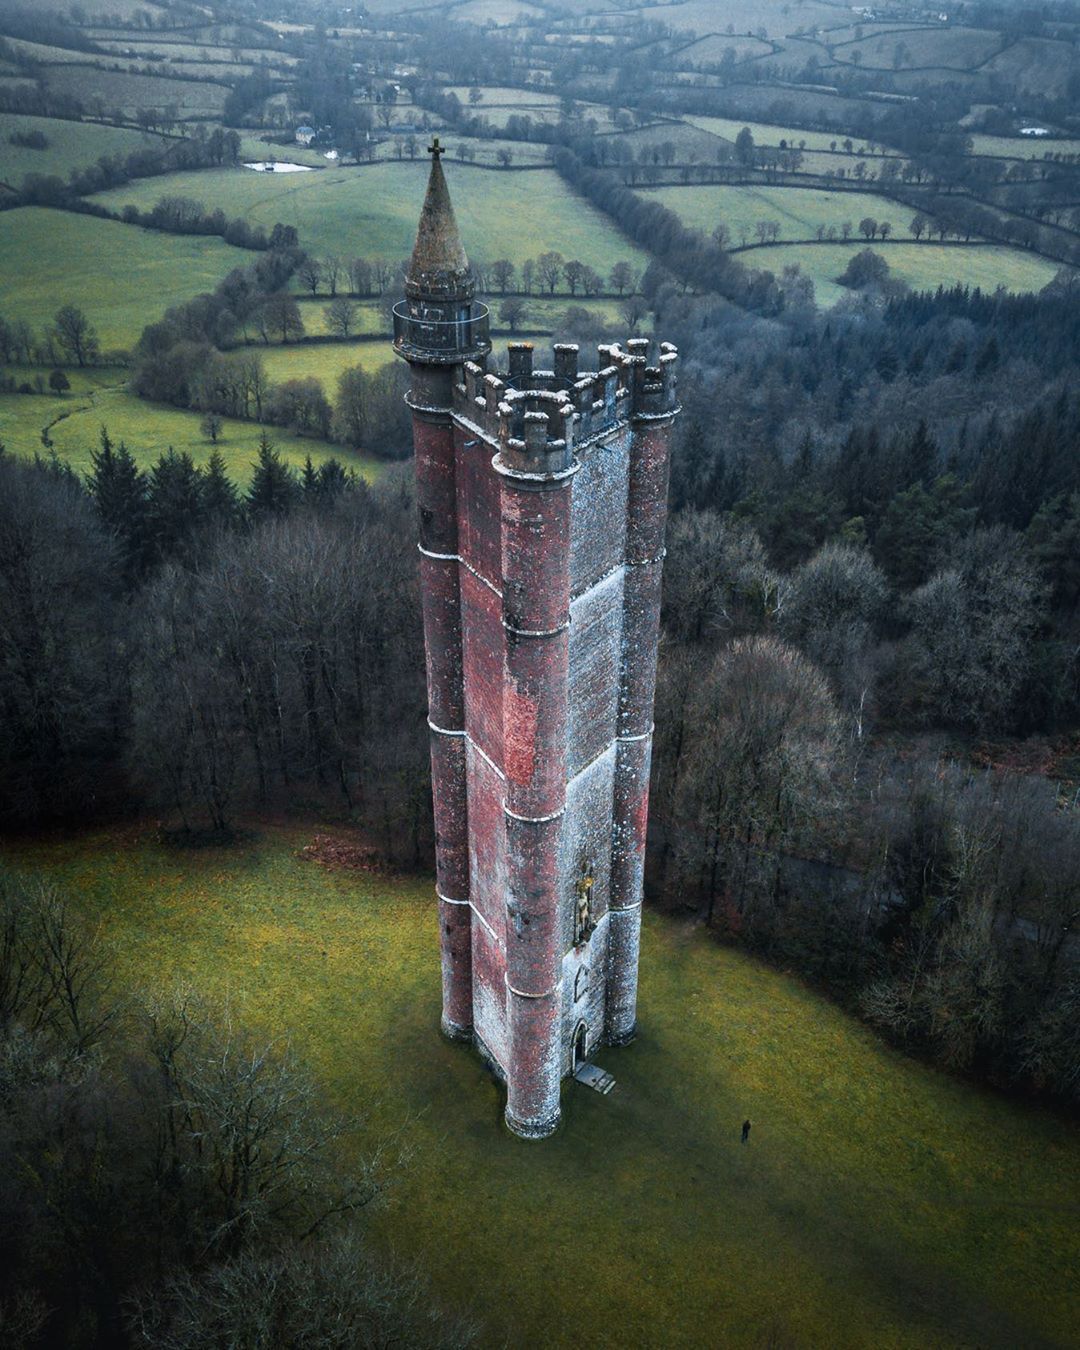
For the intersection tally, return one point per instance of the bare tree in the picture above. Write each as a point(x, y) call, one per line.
point(75, 334)
point(340, 316)
point(310, 273)
point(834, 602)
point(972, 624)
point(761, 766)
point(512, 311)
point(549, 266)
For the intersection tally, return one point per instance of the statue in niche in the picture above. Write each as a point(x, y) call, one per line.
point(584, 924)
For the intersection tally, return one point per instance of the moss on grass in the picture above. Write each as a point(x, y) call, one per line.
point(877, 1203)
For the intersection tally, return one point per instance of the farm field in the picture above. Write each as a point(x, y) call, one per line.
point(181, 51)
point(775, 16)
point(1037, 65)
point(368, 319)
point(323, 360)
point(119, 89)
point(113, 272)
point(878, 1202)
point(954, 48)
point(148, 430)
point(765, 133)
point(372, 211)
point(97, 10)
point(713, 50)
point(923, 266)
point(690, 142)
point(72, 145)
point(1022, 147)
point(483, 150)
point(499, 12)
point(502, 96)
point(798, 210)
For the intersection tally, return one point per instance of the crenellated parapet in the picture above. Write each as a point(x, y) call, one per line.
point(534, 418)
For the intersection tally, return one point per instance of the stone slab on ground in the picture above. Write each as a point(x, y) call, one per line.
point(594, 1077)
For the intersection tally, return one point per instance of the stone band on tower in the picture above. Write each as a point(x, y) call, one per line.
point(542, 497)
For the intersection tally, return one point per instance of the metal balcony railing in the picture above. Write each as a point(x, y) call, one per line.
point(449, 340)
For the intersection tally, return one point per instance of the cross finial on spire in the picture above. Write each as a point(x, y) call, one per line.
point(435, 149)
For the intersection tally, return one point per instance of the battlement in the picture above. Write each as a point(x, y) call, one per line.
point(536, 417)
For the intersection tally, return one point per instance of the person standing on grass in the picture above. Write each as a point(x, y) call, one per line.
point(745, 1131)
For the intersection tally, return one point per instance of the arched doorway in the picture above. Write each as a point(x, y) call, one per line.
point(580, 1037)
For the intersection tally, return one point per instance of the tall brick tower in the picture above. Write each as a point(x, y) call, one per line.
point(542, 498)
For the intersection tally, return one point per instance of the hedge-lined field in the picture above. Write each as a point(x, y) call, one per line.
point(924, 267)
point(799, 211)
point(149, 429)
point(121, 276)
point(372, 211)
point(72, 145)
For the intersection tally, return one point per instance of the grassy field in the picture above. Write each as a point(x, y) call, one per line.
point(1022, 147)
point(147, 429)
point(123, 277)
point(500, 12)
point(324, 360)
point(922, 266)
point(777, 17)
point(954, 48)
point(368, 317)
point(765, 133)
point(712, 50)
point(878, 1203)
point(119, 89)
point(372, 211)
point(72, 145)
point(799, 211)
point(500, 96)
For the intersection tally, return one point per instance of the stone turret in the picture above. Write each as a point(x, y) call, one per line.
point(439, 322)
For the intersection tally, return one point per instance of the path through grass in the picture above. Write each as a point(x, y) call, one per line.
point(878, 1203)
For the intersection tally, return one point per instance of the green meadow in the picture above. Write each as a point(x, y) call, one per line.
point(121, 276)
point(766, 134)
point(1022, 147)
point(372, 211)
point(73, 425)
point(924, 267)
point(878, 1202)
point(72, 145)
point(323, 360)
point(119, 89)
point(799, 211)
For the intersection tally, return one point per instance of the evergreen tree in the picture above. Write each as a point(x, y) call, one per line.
point(917, 525)
point(334, 478)
point(921, 457)
point(174, 503)
point(1054, 536)
point(309, 482)
point(219, 498)
point(119, 490)
point(274, 489)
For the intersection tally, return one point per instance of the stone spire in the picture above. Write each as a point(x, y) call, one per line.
point(438, 269)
